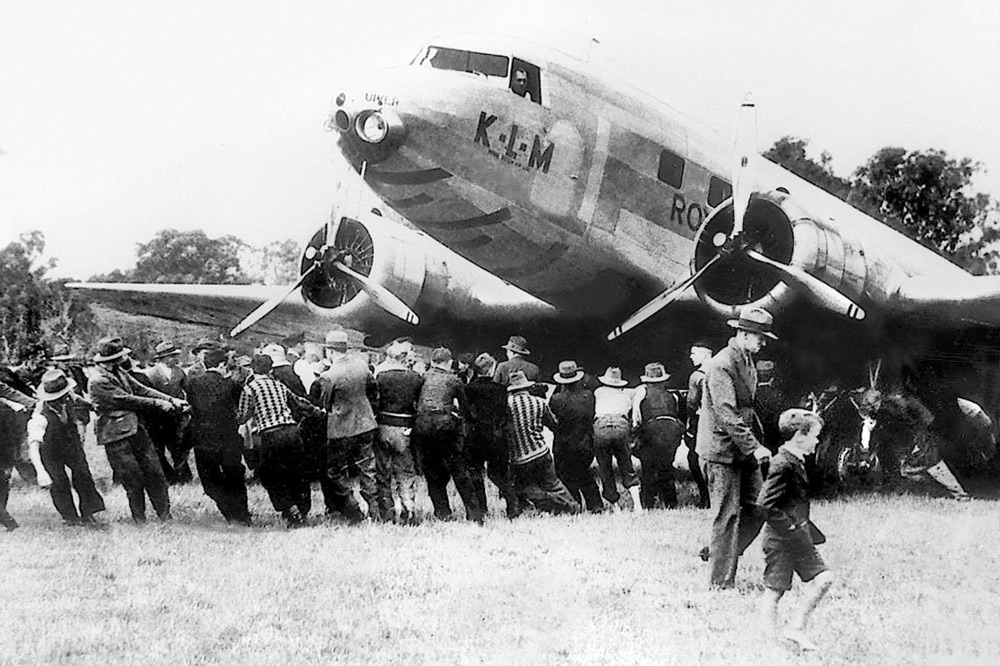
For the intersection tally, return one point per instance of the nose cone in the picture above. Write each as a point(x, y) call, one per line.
point(369, 127)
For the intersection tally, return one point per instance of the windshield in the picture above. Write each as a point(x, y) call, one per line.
point(440, 57)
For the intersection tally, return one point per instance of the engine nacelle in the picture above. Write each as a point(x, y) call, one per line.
point(779, 227)
point(377, 251)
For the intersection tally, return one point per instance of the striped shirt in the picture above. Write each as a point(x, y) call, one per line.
point(266, 402)
point(529, 414)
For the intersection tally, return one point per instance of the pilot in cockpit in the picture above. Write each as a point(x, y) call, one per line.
point(519, 84)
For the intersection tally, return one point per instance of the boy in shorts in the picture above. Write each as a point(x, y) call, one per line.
point(789, 536)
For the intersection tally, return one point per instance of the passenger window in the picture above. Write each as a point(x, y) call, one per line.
point(525, 80)
point(718, 191)
point(671, 169)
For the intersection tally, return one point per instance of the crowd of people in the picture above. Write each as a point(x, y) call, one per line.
point(295, 414)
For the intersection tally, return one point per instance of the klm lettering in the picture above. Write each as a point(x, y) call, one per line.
point(512, 145)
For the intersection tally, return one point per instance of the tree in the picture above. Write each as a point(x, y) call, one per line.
point(189, 257)
point(36, 312)
point(275, 263)
point(928, 196)
point(790, 152)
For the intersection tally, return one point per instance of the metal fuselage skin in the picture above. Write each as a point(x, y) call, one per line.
point(589, 198)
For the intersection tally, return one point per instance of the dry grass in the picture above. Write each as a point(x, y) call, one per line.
point(918, 584)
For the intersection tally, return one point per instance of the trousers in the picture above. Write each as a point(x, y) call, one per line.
point(136, 467)
point(57, 458)
point(738, 520)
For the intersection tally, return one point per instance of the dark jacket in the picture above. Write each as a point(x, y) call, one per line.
point(784, 498)
point(574, 409)
point(726, 419)
point(215, 401)
point(398, 392)
point(117, 397)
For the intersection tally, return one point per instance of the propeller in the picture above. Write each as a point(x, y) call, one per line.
point(381, 296)
point(660, 302)
point(336, 259)
point(744, 148)
point(265, 308)
point(820, 292)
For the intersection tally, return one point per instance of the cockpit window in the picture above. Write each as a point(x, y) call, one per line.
point(526, 80)
point(440, 57)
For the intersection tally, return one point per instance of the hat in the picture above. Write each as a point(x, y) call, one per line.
point(654, 374)
point(754, 320)
point(518, 345)
point(206, 343)
point(336, 339)
point(166, 348)
point(55, 384)
point(110, 349)
point(518, 381)
point(612, 377)
point(568, 373)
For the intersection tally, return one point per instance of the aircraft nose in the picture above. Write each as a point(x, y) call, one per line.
point(371, 130)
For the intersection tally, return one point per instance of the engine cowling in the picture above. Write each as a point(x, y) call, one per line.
point(373, 250)
point(782, 229)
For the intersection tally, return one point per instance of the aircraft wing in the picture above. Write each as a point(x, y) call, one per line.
point(966, 300)
point(220, 306)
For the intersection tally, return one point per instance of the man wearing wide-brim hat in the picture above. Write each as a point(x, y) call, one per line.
point(728, 446)
point(573, 437)
point(535, 480)
point(55, 445)
point(612, 437)
point(656, 422)
point(517, 360)
point(118, 400)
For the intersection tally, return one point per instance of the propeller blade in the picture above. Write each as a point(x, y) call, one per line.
point(264, 308)
point(384, 298)
point(660, 302)
point(821, 293)
point(744, 148)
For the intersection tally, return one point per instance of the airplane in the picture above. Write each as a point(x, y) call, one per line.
point(519, 190)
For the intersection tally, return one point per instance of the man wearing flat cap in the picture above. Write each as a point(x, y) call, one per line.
point(167, 431)
point(727, 445)
point(441, 409)
point(346, 391)
point(55, 443)
point(485, 443)
point(118, 398)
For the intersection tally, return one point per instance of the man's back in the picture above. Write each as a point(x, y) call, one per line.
point(574, 409)
point(726, 415)
point(345, 391)
point(214, 401)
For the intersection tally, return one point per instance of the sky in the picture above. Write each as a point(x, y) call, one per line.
point(119, 119)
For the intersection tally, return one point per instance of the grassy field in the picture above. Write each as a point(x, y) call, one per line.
point(918, 583)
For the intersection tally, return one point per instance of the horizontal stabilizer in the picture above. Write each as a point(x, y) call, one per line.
point(966, 301)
